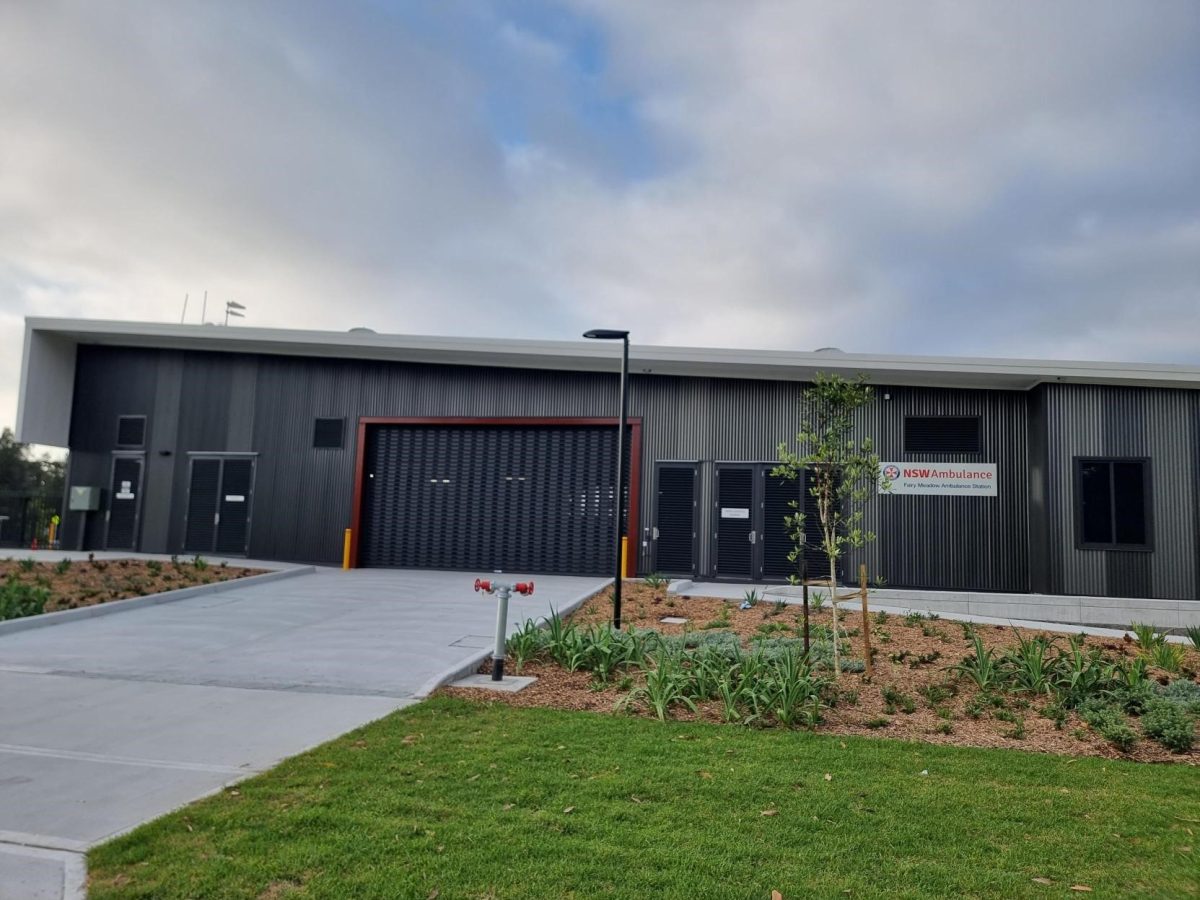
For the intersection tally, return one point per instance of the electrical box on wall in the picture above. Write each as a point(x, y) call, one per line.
point(84, 499)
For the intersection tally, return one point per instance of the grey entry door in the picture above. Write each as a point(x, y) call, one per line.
point(677, 500)
point(220, 498)
point(752, 541)
point(124, 503)
point(736, 554)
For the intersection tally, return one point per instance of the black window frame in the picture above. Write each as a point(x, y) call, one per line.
point(1147, 503)
point(117, 441)
point(341, 444)
point(978, 419)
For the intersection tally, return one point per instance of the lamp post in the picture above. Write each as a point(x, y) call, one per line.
point(608, 334)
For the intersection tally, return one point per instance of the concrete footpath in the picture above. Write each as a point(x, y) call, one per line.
point(108, 722)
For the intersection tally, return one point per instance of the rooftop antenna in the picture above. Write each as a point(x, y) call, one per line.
point(184, 316)
point(204, 308)
point(231, 309)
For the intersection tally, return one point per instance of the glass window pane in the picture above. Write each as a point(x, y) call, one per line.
point(1095, 502)
point(1129, 495)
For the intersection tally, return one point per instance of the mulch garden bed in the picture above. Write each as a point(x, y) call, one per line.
point(70, 584)
point(913, 657)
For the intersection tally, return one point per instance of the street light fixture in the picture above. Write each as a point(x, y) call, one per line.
point(609, 334)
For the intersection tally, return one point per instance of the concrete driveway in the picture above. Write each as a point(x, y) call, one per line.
point(111, 721)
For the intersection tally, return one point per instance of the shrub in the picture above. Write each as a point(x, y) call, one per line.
point(1110, 722)
point(1170, 725)
point(1147, 636)
point(1168, 657)
point(793, 690)
point(897, 700)
point(18, 599)
point(1078, 674)
point(199, 563)
point(28, 564)
point(934, 694)
point(666, 686)
point(63, 566)
point(1028, 666)
point(154, 567)
point(1057, 713)
point(980, 667)
point(524, 644)
point(750, 599)
point(1193, 635)
point(1182, 693)
point(878, 722)
point(721, 621)
point(655, 580)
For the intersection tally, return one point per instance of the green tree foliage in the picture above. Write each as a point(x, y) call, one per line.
point(844, 471)
point(22, 472)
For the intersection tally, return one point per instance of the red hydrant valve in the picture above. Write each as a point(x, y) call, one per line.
point(481, 585)
point(523, 587)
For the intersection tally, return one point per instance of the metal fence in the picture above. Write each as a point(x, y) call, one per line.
point(25, 517)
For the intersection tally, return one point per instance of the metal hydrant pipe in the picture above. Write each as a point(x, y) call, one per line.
point(501, 634)
point(505, 591)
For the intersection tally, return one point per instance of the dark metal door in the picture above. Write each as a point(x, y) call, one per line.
point(233, 517)
point(673, 539)
point(777, 544)
point(125, 503)
point(510, 498)
point(203, 488)
point(736, 533)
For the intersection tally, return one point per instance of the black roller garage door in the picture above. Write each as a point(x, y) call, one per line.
point(509, 498)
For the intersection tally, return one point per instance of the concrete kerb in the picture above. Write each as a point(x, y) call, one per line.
point(72, 866)
point(471, 665)
point(849, 606)
point(45, 620)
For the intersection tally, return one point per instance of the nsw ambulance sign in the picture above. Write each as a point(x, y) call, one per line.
point(946, 479)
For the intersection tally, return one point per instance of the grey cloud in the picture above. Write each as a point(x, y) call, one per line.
point(819, 173)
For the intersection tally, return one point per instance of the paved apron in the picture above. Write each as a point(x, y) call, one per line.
point(109, 722)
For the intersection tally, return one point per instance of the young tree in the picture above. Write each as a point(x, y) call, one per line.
point(21, 472)
point(844, 472)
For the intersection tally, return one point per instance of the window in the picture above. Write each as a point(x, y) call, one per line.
point(1112, 499)
point(131, 432)
point(942, 434)
point(328, 433)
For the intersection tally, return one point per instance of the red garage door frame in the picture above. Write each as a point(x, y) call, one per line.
point(635, 463)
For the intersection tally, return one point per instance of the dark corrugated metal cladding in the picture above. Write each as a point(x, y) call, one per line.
point(1095, 420)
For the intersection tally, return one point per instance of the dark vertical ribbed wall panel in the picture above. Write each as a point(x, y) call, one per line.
point(1094, 420)
point(951, 543)
point(303, 494)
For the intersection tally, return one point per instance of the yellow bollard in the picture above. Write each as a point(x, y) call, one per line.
point(625, 557)
point(346, 550)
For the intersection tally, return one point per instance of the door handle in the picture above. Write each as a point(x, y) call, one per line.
point(655, 530)
point(753, 537)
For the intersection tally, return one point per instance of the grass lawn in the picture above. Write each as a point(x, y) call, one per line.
point(456, 799)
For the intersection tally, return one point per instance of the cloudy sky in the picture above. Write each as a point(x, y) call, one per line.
point(1002, 178)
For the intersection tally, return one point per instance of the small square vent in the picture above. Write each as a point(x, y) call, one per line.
point(328, 433)
point(131, 432)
